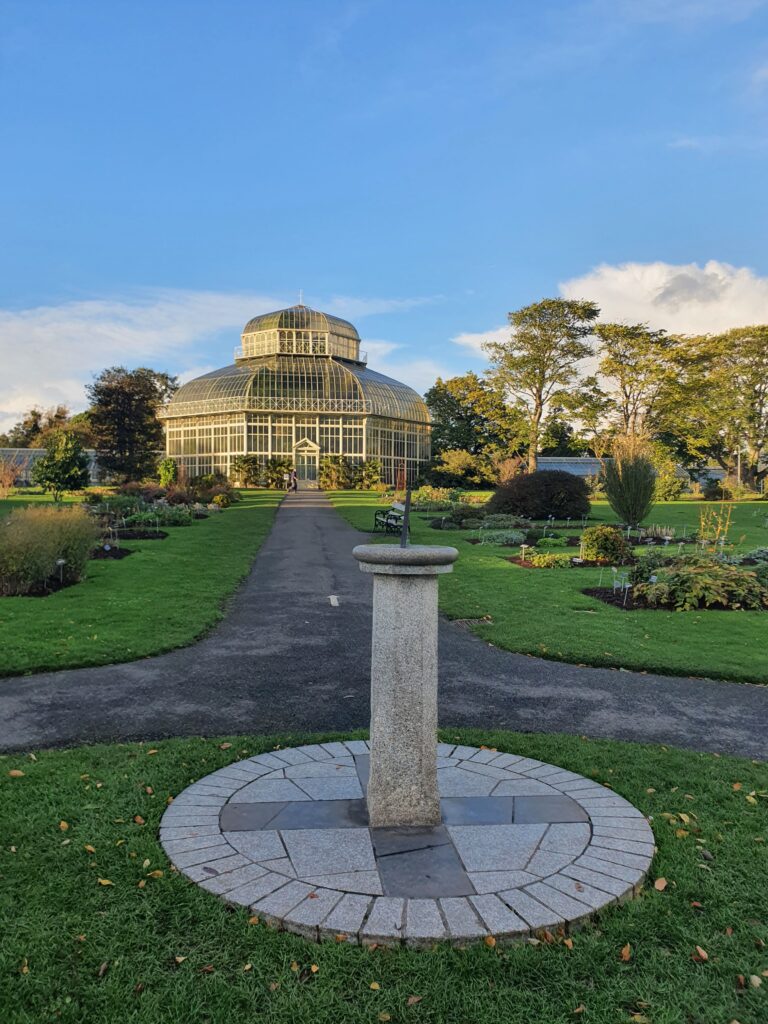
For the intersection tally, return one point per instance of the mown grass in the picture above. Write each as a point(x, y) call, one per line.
point(165, 595)
point(543, 612)
point(73, 950)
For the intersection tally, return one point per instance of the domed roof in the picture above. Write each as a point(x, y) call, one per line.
point(302, 318)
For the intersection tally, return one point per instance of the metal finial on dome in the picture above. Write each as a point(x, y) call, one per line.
point(301, 296)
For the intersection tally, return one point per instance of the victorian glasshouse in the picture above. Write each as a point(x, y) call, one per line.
point(299, 388)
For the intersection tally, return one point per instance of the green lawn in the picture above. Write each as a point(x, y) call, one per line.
point(165, 595)
point(73, 950)
point(543, 612)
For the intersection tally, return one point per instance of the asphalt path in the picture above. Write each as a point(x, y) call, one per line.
point(293, 654)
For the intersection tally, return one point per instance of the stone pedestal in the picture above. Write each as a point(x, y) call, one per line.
point(402, 789)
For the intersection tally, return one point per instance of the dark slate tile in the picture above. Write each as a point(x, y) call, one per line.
point(247, 817)
point(402, 840)
point(363, 766)
point(322, 814)
point(533, 810)
point(431, 872)
point(477, 810)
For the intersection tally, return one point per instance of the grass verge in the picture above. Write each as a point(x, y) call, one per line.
point(543, 612)
point(75, 950)
point(167, 594)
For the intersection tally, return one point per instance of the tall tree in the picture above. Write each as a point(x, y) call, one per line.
point(635, 364)
point(127, 432)
point(64, 467)
point(469, 414)
point(35, 426)
point(539, 363)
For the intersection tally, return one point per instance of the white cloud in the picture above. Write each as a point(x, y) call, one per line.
point(420, 374)
point(475, 341)
point(683, 298)
point(48, 353)
point(351, 308)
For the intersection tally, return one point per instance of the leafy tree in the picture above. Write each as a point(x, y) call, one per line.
point(634, 362)
point(64, 467)
point(336, 473)
point(167, 472)
point(367, 474)
point(275, 470)
point(456, 468)
point(124, 418)
point(538, 365)
point(248, 469)
point(470, 414)
point(34, 428)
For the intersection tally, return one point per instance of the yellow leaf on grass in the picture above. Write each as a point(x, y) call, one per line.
point(294, 966)
point(684, 818)
point(490, 941)
point(314, 968)
point(64, 826)
point(179, 959)
point(702, 953)
point(142, 883)
point(247, 967)
point(626, 953)
point(105, 881)
point(153, 751)
point(568, 943)
point(750, 799)
point(138, 819)
point(24, 966)
point(375, 986)
point(660, 884)
point(384, 1016)
point(155, 874)
point(16, 773)
point(146, 863)
point(89, 849)
point(736, 787)
point(755, 980)
point(681, 833)
point(253, 920)
point(579, 1009)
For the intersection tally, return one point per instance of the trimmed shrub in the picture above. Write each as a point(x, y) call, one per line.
point(542, 494)
point(693, 583)
point(552, 542)
point(503, 521)
point(606, 543)
point(33, 539)
point(544, 560)
point(630, 480)
point(505, 538)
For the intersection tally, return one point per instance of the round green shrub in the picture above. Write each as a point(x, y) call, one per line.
point(545, 560)
point(548, 492)
point(606, 544)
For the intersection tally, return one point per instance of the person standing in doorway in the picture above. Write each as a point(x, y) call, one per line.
point(294, 481)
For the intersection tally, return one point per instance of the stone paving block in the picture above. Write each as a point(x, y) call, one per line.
point(198, 872)
point(545, 862)
point(174, 846)
point(409, 837)
point(630, 860)
point(562, 776)
point(282, 865)
point(544, 772)
point(367, 882)
point(206, 856)
point(274, 907)
point(278, 773)
point(447, 762)
point(189, 810)
point(357, 746)
point(322, 814)
point(526, 764)
point(630, 875)
point(620, 816)
point(431, 872)
point(463, 751)
point(223, 883)
point(582, 783)
point(608, 802)
point(235, 775)
point(445, 749)
point(247, 817)
point(211, 787)
point(642, 849)
point(493, 881)
point(498, 918)
point(202, 800)
point(346, 918)
point(332, 789)
point(477, 810)
point(423, 923)
point(330, 850)
point(496, 847)
point(535, 914)
point(637, 835)
point(269, 791)
point(604, 883)
point(457, 782)
point(253, 891)
point(581, 890)
point(483, 756)
point(505, 760)
point(258, 845)
point(335, 749)
point(384, 925)
point(292, 755)
point(189, 821)
point(315, 751)
point(535, 809)
point(566, 838)
point(525, 787)
point(481, 768)
point(463, 923)
point(269, 761)
point(565, 907)
point(308, 915)
point(331, 769)
point(190, 832)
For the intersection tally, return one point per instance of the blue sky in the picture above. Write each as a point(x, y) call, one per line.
point(170, 168)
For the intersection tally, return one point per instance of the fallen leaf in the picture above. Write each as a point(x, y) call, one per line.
point(155, 874)
point(384, 1016)
point(375, 986)
point(138, 819)
point(341, 937)
point(274, 986)
point(16, 773)
point(89, 849)
point(684, 818)
point(626, 953)
point(80, 938)
point(148, 790)
point(179, 959)
point(412, 1000)
point(64, 826)
point(24, 969)
point(138, 988)
point(755, 980)
point(103, 969)
point(253, 920)
point(736, 787)
point(247, 967)
point(660, 884)
point(568, 943)
point(314, 968)
point(741, 981)
point(681, 833)
point(729, 931)
point(696, 905)
point(313, 896)
point(750, 799)
point(225, 746)
point(579, 1009)
point(208, 969)
point(294, 966)
point(649, 790)
point(105, 881)
point(549, 937)
point(153, 751)
point(490, 941)
point(142, 883)
point(146, 863)
point(702, 954)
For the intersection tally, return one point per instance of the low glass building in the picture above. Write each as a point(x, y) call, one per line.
point(299, 387)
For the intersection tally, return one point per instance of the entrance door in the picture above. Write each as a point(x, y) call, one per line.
point(306, 457)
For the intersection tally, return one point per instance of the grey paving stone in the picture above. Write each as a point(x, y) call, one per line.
point(268, 761)
point(642, 849)
point(607, 802)
point(222, 883)
point(457, 782)
point(483, 756)
point(496, 847)
point(494, 881)
point(637, 835)
point(278, 773)
point(335, 749)
point(320, 851)
point(322, 814)
point(190, 832)
point(356, 746)
point(565, 907)
point(445, 749)
point(524, 787)
point(581, 782)
point(253, 891)
point(477, 810)
point(282, 865)
point(498, 918)
point(463, 923)
point(368, 882)
point(464, 751)
point(562, 776)
point(544, 772)
point(384, 925)
point(426, 873)
point(258, 845)
point(581, 890)
point(630, 860)
point(614, 886)
point(247, 817)
point(332, 789)
point(620, 816)
point(235, 775)
point(208, 801)
point(346, 918)
point(505, 760)
point(292, 755)
point(566, 838)
point(410, 837)
point(206, 856)
point(535, 914)
point(314, 751)
point(534, 809)
point(489, 770)
point(210, 787)
point(198, 872)
point(363, 769)
point(447, 762)
point(308, 915)
point(423, 923)
point(321, 770)
point(274, 907)
point(630, 875)
point(269, 791)
point(175, 846)
point(189, 820)
point(526, 764)
point(545, 862)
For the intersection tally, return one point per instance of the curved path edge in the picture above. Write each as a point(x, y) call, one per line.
point(293, 654)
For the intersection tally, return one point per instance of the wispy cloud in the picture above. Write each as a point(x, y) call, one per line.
point(708, 145)
point(474, 340)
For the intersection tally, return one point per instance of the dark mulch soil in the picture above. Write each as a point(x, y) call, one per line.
point(110, 551)
point(131, 534)
point(46, 589)
point(616, 598)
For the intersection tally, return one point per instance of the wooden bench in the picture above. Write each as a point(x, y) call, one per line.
point(390, 520)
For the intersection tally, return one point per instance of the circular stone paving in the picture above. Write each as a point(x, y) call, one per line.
point(523, 847)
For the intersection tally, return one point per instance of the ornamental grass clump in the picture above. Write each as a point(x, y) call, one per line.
point(630, 480)
point(34, 540)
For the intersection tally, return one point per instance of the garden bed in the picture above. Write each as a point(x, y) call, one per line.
point(128, 533)
point(110, 551)
point(615, 598)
